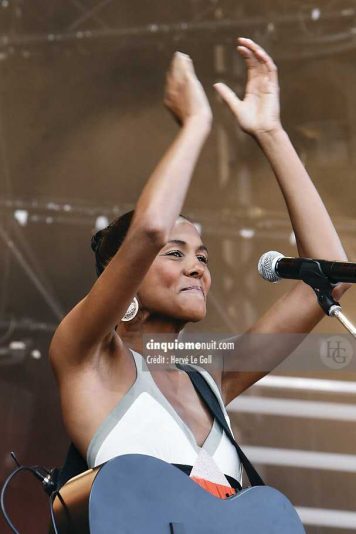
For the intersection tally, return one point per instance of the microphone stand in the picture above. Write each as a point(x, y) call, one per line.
point(312, 275)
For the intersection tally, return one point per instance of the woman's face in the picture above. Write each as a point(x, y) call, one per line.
point(178, 281)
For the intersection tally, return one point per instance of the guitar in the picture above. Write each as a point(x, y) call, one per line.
point(139, 494)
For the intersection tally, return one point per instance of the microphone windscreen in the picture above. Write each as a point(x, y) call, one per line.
point(266, 265)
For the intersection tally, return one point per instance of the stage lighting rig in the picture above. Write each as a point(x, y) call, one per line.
point(15, 352)
point(305, 28)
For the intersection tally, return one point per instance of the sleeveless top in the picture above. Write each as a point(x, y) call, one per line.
point(145, 422)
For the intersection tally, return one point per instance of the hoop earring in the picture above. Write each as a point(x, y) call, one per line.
point(131, 311)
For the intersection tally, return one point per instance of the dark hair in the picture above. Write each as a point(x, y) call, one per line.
point(106, 242)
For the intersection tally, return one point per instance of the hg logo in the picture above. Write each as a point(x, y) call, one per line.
point(336, 352)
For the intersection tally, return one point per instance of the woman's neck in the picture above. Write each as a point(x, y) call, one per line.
point(133, 332)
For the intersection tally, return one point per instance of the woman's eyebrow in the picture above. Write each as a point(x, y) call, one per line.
point(183, 244)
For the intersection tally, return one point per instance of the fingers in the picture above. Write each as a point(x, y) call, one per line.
point(181, 65)
point(180, 69)
point(180, 56)
point(256, 57)
point(228, 96)
point(181, 72)
point(184, 95)
point(250, 59)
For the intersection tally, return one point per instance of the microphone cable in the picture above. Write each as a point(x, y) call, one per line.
point(48, 480)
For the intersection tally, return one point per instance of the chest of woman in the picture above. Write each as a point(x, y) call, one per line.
point(99, 393)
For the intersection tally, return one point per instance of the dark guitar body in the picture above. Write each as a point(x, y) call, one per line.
point(138, 494)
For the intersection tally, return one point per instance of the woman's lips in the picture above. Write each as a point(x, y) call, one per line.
point(194, 288)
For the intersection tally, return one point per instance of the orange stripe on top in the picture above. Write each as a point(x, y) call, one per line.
point(218, 490)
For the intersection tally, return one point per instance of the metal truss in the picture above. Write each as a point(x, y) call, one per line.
point(236, 232)
point(262, 223)
point(36, 276)
point(25, 324)
point(91, 14)
point(328, 31)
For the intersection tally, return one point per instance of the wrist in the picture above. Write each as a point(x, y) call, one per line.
point(200, 122)
point(273, 135)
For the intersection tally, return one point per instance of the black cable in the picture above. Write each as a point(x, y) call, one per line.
point(53, 520)
point(47, 479)
point(3, 491)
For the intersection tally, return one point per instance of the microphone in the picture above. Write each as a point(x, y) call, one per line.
point(273, 266)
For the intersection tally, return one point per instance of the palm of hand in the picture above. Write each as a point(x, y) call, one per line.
point(259, 111)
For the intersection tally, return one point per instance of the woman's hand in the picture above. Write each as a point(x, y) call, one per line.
point(184, 95)
point(258, 112)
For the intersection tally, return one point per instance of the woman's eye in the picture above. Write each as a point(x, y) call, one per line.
point(176, 253)
point(204, 259)
point(179, 254)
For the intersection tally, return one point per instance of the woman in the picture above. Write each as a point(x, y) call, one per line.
point(110, 406)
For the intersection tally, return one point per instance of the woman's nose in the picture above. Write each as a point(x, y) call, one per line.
point(194, 268)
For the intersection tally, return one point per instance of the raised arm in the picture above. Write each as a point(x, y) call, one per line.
point(297, 311)
point(92, 321)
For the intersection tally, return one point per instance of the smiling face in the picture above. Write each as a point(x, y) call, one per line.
point(178, 280)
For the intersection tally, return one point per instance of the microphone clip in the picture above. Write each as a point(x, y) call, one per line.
point(312, 274)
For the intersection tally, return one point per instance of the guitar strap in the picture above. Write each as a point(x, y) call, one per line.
point(209, 397)
point(75, 464)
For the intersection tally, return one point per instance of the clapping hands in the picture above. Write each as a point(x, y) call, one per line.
point(257, 113)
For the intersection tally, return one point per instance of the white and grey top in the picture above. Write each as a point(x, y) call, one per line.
point(145, 422)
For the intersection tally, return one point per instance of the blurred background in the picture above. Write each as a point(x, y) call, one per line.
point(82, 125)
